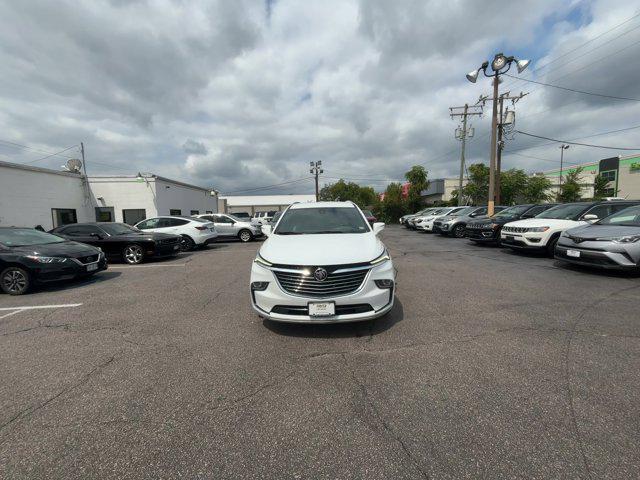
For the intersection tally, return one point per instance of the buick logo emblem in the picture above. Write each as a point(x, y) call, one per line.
point(320, 274)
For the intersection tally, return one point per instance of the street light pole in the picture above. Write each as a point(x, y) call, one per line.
point(562, 147)
point(316, 170)
point(499, 65)
point(492, 161)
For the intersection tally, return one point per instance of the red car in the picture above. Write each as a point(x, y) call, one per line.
point(370, 217)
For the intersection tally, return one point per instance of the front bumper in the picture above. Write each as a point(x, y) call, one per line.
point(425, 226)
point(68, 270)
point(524, 241)
point(366, 303)
point(483, 235)
point(606, 255)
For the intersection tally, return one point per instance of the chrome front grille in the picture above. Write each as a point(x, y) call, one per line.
point(341, 281)
point(515, 229)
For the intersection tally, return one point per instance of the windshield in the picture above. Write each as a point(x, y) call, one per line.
point(568, 211)
point(629, 217)
point(464, 211)
point(118, 228)
point(300, 221)
point(21, 237)
point(513, 211)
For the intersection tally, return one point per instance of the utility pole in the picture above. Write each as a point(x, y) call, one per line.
point(316, 170)
point(462, 134)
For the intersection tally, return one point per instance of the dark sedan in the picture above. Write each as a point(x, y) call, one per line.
point(28, 256)
point(487, 230)
point(120, 241)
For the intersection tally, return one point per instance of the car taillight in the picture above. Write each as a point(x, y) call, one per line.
point(202, 228)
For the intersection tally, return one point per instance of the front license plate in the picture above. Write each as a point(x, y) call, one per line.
point(322, 309)
point(92, 267)
point(573, 253)
point(510, 238)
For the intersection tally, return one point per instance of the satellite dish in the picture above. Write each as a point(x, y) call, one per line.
point(73, 165)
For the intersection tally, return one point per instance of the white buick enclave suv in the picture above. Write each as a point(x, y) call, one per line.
point(322, 263)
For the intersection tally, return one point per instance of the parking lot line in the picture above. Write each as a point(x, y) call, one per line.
point(146, 266)
point(38, 307)
point(9, 314)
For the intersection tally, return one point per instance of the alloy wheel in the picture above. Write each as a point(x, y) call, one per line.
point(133, 254)
point(458, 232)
point(245, 236)
point(186, 244)
point(14, 281)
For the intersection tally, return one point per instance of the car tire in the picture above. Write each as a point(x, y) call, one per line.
point(15, 280)
point(133, 254)
point(186, 243)
point(245, 236)
point(458, 231)
point(551, 246)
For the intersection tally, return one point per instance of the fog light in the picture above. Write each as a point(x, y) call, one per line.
point(384, 283)
point(259, 286)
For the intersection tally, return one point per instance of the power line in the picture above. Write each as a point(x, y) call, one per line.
point(51, 155)
point(576, 143)
point(266, 187)
point(26, 147)
point(574, 90)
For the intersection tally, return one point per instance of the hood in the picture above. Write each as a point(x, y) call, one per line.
point(545, 222)
point(324, 249)
point(602, 231)
point(497, 220)
point(63, 249)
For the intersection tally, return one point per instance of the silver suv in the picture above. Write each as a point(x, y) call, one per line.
point(613, 242)
point(229, 226)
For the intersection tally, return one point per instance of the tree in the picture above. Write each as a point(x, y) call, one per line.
point(477, 188)
point(600, 187)
point(343, 191)
point(537, 189)
point(571, 188)
point(393, 206)
point(417, 178)
point(513, 184)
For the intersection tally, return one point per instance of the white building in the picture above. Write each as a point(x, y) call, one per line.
point(31, 196)
point(261, 203)
point(441, 189)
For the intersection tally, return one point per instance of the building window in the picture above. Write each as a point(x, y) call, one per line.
point(209, 211)
point(609, 175)
point(63, 216)
point(175, 211)
point(610, 192)
point(133, 215)
point(195, 212)
point(105, 214)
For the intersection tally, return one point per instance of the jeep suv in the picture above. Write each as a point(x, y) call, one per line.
point(487, 230)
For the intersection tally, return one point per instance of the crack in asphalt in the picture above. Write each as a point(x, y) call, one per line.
point(34, 408)
point(386, 428)
point(567, 360)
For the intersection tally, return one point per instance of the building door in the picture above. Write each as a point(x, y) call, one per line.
point(105, 214)
point(132, 216)
point(63, 216)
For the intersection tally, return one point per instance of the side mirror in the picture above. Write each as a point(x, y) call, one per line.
point(266, 229)
point(378, 227)
point(590, 217)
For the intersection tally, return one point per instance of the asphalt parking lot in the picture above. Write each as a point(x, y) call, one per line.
point(491, 365)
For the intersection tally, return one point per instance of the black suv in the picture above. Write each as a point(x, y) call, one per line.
point(487, 230)
point(28, 256)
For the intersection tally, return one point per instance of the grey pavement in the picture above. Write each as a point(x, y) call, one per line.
point(491, 365)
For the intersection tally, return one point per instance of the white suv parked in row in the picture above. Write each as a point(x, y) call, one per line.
point(542, 231)
point(194, 231)
point(425, 222)
point(322, 263)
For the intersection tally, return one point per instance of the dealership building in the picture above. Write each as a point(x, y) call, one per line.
point(31, 196)
point(253, 204)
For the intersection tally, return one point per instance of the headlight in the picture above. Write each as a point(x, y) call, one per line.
point(625, 239)
point(261, 261)
point(538, 229)
point(39, 259)
point(381, 259)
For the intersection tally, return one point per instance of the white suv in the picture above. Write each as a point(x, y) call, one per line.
point(323, 263)
point(542, 231)
point(194, 231)
point(425, 222)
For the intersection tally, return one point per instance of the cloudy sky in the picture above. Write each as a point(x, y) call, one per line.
point(240, 94)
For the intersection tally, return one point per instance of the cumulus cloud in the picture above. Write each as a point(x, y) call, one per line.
point(241, 94)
